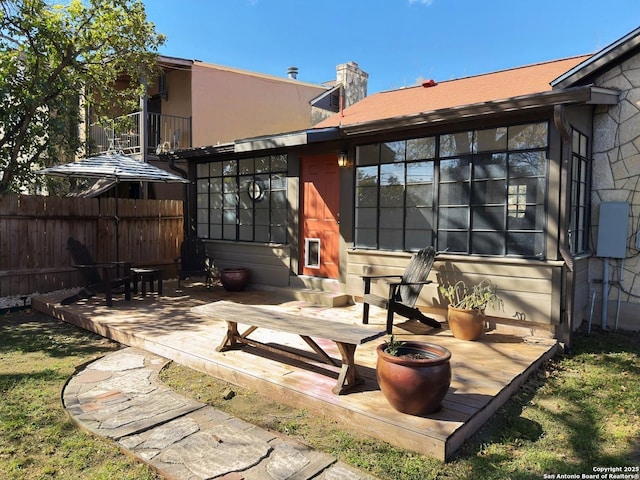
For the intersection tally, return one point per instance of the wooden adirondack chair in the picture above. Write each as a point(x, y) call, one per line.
point(115, 275)
point(404, 293)
point(194, 261)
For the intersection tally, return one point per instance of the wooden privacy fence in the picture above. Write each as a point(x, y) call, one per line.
point(34, 232)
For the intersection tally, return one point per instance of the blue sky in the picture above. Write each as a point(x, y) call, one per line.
point(397, 42)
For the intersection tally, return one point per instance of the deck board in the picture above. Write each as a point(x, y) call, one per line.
point(484, 373)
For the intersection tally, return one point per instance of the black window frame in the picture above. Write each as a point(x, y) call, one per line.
point(243, 200)
point(580, 193)
point(526, 220)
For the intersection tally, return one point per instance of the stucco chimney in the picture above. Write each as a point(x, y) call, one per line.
point(292, 72)
point(353, 80)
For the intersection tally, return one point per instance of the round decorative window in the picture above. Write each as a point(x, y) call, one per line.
point(255, 189)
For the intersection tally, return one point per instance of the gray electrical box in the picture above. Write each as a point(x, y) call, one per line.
point(612, 231)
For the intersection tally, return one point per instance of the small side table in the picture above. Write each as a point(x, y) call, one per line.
point(145, 275)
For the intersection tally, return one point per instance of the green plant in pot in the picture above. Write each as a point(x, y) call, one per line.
point(413, 376)
point(466, 310)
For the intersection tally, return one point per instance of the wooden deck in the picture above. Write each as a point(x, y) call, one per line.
point(177, 326)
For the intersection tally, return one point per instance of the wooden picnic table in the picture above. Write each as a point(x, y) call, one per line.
point(346, 336)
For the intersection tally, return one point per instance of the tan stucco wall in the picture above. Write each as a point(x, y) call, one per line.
point(230, 105)
point(616, 178)
point(178, 100)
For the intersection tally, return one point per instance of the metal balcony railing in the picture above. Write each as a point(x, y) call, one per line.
point(163, 133)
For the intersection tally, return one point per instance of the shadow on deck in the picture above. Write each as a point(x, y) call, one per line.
point(485, 373)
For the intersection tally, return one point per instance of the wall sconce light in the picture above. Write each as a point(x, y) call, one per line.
point(343, 160)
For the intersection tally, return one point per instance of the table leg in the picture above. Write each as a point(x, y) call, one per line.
point(159, 284)
point(229, 339)
point(349, 376)
point(144, 285)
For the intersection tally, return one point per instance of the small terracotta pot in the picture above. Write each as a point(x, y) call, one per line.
point(234, 279)
point(465, 324)
point(415, 386)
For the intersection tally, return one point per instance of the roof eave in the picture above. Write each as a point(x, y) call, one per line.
point(599, 60)
point(284, 140)
point(589, 95)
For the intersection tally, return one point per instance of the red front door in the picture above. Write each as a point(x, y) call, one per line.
point(320, 216)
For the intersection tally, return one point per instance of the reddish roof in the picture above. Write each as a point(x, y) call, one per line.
point(504, 84)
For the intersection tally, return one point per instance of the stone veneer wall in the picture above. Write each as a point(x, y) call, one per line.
point(616, 178)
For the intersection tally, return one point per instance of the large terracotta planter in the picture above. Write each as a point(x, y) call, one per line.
point(415, 386)
point(234, 279)
point(465, 324)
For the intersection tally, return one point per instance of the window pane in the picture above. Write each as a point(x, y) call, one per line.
point(392, 185)
point(202, 170)
point(367, 187)
point(392, 174)
point(215, 169)
point(527, 164)
point(391, 239)
point(215, 201)
point(246, 166)
point(421, 148)
point(454, 194)
point(454, 241)
point(202, 200)
point(522, 137)
point(279, 216)
point(453, 144)
point(368, 154)
point(525, 244)
point(261, 233)
point(487, 218)
point(262, 217)
point(278, 234)
point(391, 196)
point(215, 185)
point(419, 195)
point(279, 163)
point(488, 192)
point(245, 233)
point(419, 218)
point(490, 166)
point(229, 185)
point(203, 231)
point(216, 231)
point(230, 200)
point(391, 217)
point(419, 172)
point(278, 199)
point(262, 165)
point(487, 243)
point(201, 215)
point(392, 152)
point(455, 169)
point(366, 237)
point(215, 216)
point(417, 239)
point(246, 217)
point(454, 218)
point(366, 197)
point(202, 186)
point(278, 182)
point(530, 217)
point(229, 167)
point(492, 139)
point(575, 144)
point(366, 217)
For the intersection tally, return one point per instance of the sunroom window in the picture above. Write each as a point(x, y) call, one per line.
point(478, 192)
